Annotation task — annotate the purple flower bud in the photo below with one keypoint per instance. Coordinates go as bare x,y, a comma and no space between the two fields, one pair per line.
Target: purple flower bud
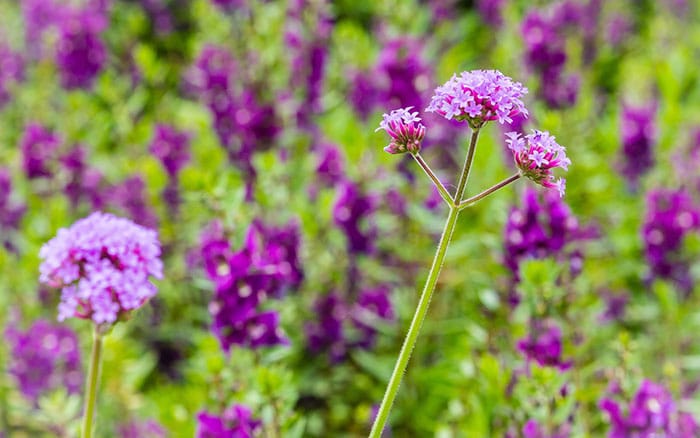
479,96
403,127
102,264
536,155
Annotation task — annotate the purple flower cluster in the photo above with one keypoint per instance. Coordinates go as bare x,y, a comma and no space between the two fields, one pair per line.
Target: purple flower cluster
39,148
544,345
341,327
44,358
11,213
11,71
405,130
536,155
651,413
671,215
243,124
266,266
172,148
545,51
236,422
102,263
542,229
351,213
479,96
80,53
638,133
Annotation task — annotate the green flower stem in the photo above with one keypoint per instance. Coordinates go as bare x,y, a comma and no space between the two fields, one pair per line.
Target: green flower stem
470,201
428,171
412,335
91,383
467,167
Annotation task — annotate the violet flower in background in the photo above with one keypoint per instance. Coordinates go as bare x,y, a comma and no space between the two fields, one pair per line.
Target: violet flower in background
533,429
352,214
130,197
330,168
172,148
651,412
265,267
236,422
103,265
638,132
342,326
142,429
11,213
84,183
491,12
671,215
542,227
39,147
38,16
80,52
544,345
11,71
45,357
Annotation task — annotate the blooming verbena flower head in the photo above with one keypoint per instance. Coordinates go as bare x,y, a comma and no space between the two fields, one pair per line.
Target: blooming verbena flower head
536,155
479,96
103,265
236,422
44,358
651,413
405,130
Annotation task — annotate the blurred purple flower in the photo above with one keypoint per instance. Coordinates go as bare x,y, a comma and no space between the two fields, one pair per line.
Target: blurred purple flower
327,333
142,429
171,147
351,213
544,345
363,92
102,263
649,414
44,358
11,71
329,169
266,266
638,132
38,16
80,53
372,305
533,429
236,422
11,213
130,196
541,229
671,215
491,12
38,146
84,183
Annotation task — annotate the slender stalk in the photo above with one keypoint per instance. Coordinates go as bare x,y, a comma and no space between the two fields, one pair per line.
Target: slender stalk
428,171
467,167
412,335
470,201
91,383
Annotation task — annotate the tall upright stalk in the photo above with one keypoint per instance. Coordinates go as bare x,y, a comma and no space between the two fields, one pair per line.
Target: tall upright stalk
91,383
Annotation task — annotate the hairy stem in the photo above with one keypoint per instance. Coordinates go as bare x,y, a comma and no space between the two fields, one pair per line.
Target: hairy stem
91,383
467,167
470,201
428,171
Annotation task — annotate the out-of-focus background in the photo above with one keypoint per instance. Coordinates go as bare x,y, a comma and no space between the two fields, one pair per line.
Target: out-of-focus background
240,127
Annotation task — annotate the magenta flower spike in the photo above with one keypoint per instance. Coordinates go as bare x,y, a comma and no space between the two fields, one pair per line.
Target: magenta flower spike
479,96
102,263
405,130
536,155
